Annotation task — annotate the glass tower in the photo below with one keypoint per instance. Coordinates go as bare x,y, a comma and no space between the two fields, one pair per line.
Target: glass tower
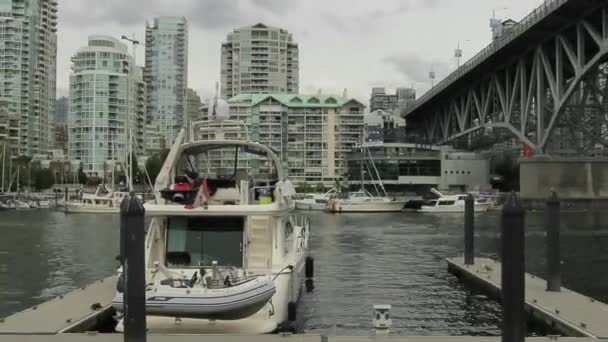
28,58
166,76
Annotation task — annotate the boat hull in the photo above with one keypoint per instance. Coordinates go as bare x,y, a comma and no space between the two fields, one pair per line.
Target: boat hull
83,209
237,302
310,205
346,207
453,209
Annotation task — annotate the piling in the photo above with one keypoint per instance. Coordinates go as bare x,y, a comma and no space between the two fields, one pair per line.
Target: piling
469,230
552,226
132,239
513,271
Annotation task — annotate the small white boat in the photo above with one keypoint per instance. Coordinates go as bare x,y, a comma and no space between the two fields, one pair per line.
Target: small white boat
315,201
33,204
237,301
452,204
103,201
43,204
363,201
21,205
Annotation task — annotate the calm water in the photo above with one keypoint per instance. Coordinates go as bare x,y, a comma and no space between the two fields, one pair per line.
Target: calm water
360,260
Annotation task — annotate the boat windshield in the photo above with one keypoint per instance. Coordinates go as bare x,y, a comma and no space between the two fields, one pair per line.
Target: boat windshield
198,241
229,162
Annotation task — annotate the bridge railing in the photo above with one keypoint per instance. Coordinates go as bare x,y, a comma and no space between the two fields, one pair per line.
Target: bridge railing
530,20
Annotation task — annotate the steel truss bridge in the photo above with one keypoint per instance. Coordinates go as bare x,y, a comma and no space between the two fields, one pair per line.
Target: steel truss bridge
544,83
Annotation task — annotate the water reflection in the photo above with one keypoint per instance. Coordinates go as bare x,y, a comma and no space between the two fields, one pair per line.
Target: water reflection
360,260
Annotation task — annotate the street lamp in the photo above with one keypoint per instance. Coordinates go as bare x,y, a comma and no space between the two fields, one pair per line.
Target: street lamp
458,51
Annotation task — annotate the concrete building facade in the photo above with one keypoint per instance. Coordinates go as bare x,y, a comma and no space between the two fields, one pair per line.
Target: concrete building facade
405,167
9,133
166,74
312,134
381,100
107,100
28,51
259,59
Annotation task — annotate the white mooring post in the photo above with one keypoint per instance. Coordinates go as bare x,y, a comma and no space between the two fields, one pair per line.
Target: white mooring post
382,320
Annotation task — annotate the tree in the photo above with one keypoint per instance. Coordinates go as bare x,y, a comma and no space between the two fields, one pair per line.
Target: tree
82,177
42,178
304,188
320,187
155,163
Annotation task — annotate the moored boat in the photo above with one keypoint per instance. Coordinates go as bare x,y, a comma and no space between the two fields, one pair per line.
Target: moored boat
224,251
315,201
452,204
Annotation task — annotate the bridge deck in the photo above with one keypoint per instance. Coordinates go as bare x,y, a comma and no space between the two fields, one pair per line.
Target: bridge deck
516,38
569,312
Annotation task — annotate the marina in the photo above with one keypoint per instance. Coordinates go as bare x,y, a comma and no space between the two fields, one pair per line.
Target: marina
404,253
472,213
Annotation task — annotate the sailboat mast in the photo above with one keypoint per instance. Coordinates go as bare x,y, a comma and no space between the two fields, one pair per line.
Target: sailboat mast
362,161
3,164
130,165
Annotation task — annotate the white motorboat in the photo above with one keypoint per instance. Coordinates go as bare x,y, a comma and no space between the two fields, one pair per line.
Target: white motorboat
43,204
363,201
103,201
452,204
225,253
315,201
33,204
21,205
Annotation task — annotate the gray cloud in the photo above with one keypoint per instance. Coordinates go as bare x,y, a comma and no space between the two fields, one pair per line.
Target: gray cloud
211,15
416,69
277,7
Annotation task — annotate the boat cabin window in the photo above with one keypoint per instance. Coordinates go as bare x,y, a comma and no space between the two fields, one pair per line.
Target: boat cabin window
198,241
462,198
446,202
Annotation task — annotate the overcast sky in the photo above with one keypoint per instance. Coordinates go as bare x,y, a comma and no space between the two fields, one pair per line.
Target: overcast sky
352,44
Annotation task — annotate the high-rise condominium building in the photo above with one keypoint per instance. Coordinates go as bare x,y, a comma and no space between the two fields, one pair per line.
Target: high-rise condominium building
107,100
194,105
402,98
311,133
259,59
28,51
166,75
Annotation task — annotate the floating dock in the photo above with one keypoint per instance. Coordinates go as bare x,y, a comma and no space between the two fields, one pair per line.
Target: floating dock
271,338
74,316
569,312
78,310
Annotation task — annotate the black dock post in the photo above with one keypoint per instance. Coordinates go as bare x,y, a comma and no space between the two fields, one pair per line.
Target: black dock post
552,226
512,273
132,241
469,230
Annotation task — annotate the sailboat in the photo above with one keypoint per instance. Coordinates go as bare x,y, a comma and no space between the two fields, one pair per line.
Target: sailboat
363,200
224,251
105,200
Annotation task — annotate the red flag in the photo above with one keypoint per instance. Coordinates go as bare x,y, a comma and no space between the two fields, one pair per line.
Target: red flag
527,151
201,196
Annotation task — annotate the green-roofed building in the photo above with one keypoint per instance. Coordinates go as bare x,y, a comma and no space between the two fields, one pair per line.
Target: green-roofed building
311,133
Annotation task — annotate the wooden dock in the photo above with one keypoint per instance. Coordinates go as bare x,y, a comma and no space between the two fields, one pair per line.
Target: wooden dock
269,338
569,312
77,309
